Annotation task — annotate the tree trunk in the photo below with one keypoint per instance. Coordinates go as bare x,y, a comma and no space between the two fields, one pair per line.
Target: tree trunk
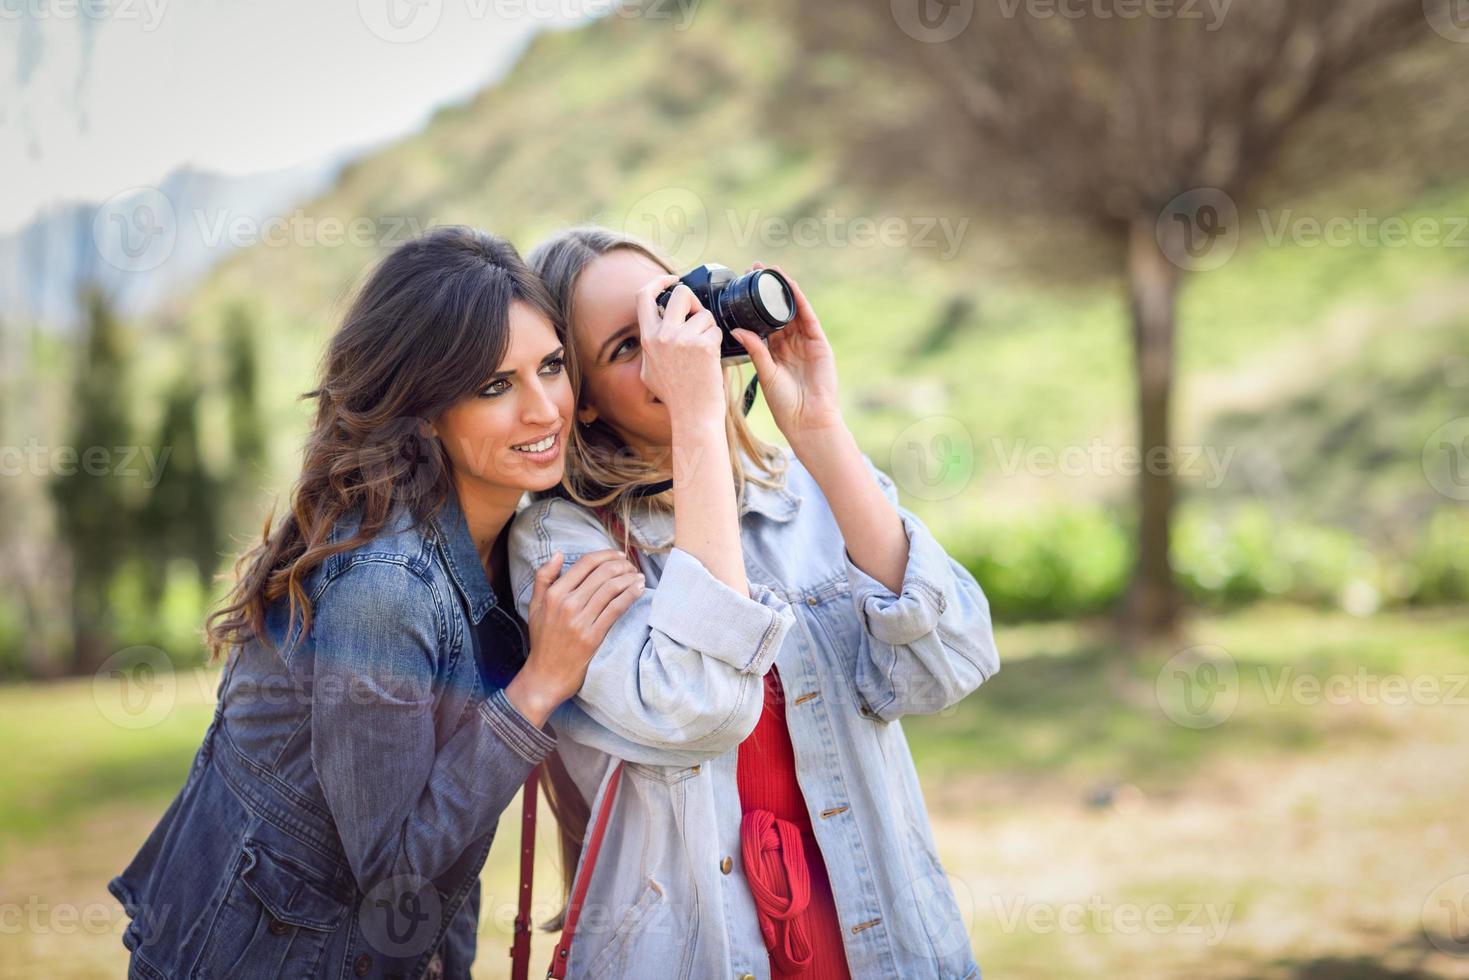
1151,606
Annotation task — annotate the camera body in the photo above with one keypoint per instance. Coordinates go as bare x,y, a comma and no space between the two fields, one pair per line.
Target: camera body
759,301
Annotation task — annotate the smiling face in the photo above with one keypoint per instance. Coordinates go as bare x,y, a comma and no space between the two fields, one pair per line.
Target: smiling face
610,355
509,438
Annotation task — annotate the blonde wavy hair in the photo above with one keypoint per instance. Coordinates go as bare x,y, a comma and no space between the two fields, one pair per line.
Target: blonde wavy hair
601,470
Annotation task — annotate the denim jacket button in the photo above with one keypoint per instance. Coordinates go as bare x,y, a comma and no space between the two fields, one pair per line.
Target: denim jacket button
362,965
727,865
277,927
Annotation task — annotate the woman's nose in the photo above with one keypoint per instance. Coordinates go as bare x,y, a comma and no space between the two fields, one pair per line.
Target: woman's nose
541,408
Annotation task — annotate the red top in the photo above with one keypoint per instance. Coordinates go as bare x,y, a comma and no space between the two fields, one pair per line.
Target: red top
782,860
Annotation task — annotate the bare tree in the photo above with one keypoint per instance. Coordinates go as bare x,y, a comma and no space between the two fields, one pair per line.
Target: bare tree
1127,127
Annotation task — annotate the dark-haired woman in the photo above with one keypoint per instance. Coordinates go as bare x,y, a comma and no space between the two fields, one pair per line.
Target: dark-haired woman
380,703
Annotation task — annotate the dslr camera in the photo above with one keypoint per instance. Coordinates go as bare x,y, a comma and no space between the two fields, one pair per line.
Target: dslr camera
759,301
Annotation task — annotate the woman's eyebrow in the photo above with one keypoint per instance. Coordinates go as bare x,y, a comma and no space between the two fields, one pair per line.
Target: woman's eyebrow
621,332
498,375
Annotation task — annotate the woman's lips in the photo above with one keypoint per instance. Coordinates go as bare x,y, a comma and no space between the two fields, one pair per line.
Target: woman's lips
544,456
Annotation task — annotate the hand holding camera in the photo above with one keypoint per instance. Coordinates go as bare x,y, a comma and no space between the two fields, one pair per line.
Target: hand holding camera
680,363
797,370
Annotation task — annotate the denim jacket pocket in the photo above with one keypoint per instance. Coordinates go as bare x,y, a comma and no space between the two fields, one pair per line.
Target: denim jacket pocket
612,960
274,921
664,774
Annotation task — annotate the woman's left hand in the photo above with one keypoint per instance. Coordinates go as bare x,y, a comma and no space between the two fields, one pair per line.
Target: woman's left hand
797,370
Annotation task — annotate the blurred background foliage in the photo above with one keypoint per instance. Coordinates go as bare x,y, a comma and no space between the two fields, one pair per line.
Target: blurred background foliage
1319,532
1315,372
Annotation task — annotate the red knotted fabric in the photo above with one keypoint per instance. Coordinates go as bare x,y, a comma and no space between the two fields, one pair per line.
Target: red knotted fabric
782,860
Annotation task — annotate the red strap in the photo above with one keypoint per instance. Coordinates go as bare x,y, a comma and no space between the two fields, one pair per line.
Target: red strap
584,877
520,943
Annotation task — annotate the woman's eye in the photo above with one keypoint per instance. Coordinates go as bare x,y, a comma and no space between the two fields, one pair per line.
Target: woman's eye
554,366
493,389
625,345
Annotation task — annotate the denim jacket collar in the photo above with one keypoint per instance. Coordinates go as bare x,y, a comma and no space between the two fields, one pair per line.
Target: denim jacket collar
655,528
463,559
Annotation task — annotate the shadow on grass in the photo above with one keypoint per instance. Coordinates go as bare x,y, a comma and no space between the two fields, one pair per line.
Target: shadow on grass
1404,961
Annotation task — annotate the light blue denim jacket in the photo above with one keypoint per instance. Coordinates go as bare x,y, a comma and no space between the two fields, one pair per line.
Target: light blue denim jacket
677,685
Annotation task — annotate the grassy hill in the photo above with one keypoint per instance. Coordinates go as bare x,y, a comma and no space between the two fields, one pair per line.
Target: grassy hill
1314,367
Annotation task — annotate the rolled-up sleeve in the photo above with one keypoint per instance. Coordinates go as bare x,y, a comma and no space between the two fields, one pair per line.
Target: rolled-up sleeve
679,677
696,610
930,644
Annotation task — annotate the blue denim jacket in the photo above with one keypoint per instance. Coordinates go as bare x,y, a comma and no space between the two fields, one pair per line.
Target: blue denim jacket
677,684
338,813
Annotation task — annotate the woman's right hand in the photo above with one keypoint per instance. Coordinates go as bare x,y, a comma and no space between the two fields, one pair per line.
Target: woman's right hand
681,353
569,616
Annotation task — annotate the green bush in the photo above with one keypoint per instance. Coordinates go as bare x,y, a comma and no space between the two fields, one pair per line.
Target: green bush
1076,561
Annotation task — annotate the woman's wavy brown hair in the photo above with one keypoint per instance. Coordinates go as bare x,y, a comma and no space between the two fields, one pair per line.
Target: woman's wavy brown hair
426,329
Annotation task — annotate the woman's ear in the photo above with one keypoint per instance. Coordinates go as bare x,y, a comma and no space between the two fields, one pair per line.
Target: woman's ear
586,415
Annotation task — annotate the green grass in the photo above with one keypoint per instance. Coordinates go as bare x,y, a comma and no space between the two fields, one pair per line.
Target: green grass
1061,786
1067,703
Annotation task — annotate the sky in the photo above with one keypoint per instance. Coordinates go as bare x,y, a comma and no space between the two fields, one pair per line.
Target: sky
101,96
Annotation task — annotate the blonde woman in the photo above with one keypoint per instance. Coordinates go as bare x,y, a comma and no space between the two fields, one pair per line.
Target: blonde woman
767,819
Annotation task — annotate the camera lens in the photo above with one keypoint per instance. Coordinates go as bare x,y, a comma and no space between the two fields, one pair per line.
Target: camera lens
759,301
